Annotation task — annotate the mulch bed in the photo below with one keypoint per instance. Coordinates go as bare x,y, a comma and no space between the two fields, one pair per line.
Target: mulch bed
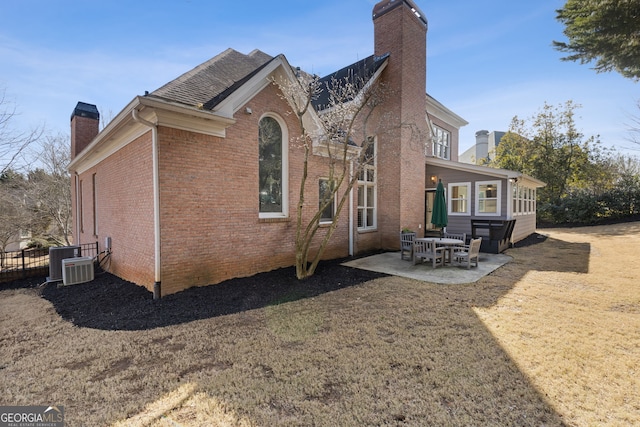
532,239
111,303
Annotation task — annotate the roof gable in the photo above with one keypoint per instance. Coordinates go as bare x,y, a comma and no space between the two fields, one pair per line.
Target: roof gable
359,72
437,109
212,81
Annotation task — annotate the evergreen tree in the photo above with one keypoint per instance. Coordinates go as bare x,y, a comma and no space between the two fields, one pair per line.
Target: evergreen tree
604,31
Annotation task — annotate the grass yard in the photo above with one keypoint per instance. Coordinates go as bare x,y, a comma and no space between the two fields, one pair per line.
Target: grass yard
552,338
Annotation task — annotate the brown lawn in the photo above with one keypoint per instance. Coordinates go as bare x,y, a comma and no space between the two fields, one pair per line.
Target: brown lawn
552,338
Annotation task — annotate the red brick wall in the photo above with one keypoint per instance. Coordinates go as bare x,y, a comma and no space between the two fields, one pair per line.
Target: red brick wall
401,144
211,229
124,202
210,225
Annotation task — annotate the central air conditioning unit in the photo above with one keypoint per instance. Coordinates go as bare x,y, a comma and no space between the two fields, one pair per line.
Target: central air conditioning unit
56,255
77,270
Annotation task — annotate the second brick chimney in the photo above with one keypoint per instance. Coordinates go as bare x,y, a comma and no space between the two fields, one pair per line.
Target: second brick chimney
85,121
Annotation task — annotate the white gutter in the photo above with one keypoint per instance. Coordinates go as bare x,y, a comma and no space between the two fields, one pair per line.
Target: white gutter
118,129
156,201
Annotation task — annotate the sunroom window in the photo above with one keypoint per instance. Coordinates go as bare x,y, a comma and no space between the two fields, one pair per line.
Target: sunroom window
488,198
459,198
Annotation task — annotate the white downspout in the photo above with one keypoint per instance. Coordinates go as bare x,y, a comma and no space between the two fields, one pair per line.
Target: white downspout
76,179
351,211
156,202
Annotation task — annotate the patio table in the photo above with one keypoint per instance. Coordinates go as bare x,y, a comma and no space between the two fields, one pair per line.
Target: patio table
448,243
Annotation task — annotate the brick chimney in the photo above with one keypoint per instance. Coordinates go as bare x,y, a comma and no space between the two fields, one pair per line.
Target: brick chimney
85,121
400,29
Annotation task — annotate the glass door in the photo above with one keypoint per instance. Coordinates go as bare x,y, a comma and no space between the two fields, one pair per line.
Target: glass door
428,209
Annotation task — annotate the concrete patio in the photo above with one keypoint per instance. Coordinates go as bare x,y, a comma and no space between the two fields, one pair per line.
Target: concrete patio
390,263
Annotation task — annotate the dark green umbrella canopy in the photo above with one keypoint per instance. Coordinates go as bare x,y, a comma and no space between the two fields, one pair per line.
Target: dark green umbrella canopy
439,216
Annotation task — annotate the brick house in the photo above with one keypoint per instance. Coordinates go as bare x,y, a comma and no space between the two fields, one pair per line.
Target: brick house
173,184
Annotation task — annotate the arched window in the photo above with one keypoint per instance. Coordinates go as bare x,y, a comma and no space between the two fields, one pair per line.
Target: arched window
272,168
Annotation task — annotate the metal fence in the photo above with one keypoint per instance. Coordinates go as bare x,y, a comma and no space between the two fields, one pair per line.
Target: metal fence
33,262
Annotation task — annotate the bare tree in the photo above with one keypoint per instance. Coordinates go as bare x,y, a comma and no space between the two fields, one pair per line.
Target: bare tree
14,218
12,143
634,128
338,135
105,118
50,191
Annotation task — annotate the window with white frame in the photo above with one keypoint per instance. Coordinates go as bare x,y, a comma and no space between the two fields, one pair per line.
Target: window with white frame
524,200
441,143
488,198
459,198
327,204
367,190
273,186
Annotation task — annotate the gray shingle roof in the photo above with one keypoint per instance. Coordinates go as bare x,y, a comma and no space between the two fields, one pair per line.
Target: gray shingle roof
359,73
212,81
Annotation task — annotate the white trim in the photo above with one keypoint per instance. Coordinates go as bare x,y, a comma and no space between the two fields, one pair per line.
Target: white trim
176,120
367,184
526,200
277,68
438,110
285,169
435,142
450,198
484,170
509,194
242,95
123,130
498,198
94,157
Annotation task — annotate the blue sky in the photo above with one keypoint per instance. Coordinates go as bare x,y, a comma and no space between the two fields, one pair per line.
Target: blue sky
488,60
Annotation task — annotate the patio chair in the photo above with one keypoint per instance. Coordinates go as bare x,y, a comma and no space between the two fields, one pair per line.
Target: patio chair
458,236
468,253
406,245
427,251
